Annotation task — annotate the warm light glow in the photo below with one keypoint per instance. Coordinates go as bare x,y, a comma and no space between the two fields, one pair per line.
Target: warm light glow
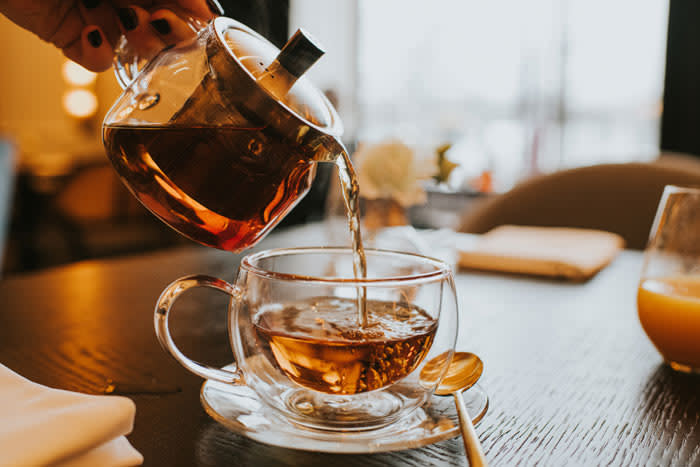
76,75
80,103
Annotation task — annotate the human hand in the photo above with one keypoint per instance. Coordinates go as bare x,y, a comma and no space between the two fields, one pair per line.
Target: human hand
87,30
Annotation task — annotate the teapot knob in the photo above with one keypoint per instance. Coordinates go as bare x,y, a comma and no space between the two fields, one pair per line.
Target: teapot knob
298,54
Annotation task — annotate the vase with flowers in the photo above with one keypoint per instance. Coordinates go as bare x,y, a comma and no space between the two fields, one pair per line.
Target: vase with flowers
392,177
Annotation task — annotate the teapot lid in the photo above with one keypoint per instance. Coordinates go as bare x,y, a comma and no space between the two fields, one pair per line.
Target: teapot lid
239,54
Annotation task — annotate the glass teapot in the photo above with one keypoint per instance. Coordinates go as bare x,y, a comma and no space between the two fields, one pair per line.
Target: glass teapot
210,138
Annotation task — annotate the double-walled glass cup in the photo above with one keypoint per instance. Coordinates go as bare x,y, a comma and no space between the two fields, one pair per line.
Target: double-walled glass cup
668,298
294,330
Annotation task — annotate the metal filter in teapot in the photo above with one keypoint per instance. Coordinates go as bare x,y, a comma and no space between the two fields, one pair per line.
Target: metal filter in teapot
219,135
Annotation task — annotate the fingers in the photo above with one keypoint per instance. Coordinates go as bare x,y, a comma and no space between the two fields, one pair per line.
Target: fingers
101,22
68,30
204,9
102,14
92,51
170,27
140,35
148,33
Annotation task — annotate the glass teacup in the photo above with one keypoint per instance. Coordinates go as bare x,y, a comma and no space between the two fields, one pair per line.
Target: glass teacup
294,330
668,299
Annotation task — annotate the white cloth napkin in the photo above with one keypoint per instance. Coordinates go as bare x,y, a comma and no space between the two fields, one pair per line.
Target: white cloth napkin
42,426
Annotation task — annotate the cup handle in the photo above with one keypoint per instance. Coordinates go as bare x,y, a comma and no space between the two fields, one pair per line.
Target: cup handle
160,322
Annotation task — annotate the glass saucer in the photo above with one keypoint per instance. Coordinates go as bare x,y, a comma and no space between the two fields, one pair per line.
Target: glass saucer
240,410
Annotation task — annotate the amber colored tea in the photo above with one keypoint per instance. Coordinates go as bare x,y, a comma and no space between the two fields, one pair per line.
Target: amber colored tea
318,344
351,195
225,187
221,186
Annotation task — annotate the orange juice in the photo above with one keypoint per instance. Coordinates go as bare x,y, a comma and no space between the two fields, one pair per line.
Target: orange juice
669,310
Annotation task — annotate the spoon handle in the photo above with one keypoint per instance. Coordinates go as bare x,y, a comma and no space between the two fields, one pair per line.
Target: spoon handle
472,446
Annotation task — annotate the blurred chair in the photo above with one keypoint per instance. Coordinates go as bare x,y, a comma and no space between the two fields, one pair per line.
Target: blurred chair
7,176
82,214
103,218
620,198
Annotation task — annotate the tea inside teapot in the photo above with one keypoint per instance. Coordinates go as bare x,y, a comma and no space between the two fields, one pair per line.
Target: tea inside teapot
210,138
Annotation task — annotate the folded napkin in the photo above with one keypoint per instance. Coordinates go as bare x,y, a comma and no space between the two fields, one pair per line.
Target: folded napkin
44,426
576,254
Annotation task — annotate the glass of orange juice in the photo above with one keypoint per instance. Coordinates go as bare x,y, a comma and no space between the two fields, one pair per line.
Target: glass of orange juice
668,298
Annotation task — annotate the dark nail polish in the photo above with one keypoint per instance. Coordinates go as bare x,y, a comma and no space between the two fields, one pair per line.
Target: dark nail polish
95,38
128,18
215,7
162,26
90,4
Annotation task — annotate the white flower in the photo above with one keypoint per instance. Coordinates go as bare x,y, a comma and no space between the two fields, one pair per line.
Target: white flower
393,170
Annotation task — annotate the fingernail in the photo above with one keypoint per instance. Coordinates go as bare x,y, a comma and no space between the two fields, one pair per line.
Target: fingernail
94,38
90,4
215,7
128,18
162,26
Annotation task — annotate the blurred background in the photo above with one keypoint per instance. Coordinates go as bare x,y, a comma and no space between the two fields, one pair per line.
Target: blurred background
516,88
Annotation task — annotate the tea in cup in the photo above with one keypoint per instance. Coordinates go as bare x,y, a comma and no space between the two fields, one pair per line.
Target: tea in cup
297,339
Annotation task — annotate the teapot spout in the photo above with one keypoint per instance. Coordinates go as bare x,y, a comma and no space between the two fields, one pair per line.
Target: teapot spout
330,149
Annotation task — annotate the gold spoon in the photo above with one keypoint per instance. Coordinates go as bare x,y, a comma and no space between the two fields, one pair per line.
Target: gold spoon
464,371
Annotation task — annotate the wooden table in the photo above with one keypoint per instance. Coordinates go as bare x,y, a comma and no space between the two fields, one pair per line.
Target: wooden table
571,377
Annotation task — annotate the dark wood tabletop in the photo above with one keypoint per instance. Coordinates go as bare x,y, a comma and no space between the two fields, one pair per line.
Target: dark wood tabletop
571,377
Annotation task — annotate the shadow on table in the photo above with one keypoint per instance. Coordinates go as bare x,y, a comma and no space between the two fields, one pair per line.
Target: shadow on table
219,446
666,386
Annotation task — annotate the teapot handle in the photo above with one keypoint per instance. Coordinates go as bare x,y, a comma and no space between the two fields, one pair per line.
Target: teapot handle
127,63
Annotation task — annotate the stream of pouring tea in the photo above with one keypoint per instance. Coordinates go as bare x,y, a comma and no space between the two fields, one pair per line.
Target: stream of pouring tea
351,195
193,178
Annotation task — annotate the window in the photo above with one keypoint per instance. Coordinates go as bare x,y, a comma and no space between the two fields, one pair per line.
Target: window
517,87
